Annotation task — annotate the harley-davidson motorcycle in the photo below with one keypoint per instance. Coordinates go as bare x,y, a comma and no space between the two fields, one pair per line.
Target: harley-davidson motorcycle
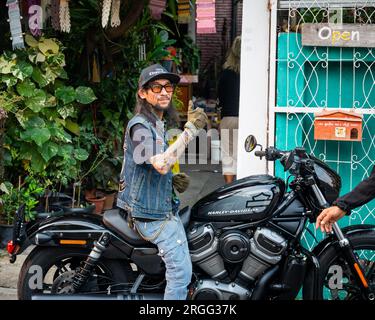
244,240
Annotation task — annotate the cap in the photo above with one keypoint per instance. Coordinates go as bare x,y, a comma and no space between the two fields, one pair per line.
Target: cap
156,71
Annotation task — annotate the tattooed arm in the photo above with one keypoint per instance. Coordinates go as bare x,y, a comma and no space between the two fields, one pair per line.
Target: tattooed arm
197,120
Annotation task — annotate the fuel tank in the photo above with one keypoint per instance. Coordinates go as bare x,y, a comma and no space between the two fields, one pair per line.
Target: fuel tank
249,199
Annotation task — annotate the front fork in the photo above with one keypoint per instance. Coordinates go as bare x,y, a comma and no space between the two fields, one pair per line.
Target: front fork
347,250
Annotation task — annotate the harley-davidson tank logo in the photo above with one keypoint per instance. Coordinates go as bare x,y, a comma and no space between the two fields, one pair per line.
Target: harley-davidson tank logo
262,196
235,212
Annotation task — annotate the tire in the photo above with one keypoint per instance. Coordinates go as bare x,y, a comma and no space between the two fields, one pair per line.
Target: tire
332,258
113,271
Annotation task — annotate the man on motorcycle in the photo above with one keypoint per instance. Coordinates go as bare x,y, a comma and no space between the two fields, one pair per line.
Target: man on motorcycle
363,193
145,190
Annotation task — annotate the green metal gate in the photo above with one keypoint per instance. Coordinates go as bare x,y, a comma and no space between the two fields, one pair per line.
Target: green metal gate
309,79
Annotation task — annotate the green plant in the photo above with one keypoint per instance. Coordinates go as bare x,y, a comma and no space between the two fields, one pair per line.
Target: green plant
178,103
42,111
190,55
106,174
159,44
27,193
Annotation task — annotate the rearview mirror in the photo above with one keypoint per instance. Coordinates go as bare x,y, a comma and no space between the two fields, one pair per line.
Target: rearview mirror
250,143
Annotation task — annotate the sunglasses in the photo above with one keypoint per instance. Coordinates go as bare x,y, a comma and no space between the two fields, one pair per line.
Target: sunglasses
157,88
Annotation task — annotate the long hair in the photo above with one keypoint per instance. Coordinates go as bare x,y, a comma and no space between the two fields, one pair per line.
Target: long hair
233,60
145,108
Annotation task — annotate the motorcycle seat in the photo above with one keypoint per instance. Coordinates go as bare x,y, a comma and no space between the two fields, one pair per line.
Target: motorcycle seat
115,221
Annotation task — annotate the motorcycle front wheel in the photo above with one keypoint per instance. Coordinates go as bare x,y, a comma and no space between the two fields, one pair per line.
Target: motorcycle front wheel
47,270
336,281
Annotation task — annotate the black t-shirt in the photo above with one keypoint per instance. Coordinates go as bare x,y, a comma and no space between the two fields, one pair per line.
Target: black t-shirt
229,93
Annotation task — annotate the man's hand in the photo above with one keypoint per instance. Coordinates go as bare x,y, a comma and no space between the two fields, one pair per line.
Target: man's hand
162,162
197,118
327,217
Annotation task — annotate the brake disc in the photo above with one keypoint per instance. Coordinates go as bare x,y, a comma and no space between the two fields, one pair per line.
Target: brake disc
63,284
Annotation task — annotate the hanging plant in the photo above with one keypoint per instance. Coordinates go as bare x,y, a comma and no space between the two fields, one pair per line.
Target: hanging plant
115,13
105,12
55,14
64,16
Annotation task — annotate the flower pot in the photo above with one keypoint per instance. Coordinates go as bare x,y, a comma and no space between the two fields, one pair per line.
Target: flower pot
99,203
109,200
90,193
6,234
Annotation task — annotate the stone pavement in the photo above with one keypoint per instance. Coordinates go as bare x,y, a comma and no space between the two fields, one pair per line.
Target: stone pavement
9,275
204,179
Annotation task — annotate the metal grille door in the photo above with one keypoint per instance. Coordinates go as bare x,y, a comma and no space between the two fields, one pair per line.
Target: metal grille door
309,79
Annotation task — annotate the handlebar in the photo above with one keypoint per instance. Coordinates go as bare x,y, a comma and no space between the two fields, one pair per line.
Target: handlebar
271,154
260,154
289,159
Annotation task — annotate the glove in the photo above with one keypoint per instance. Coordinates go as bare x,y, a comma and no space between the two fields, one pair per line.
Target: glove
197,119
180,182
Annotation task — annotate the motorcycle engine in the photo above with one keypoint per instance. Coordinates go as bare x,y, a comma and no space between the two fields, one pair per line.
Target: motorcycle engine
266,248
210,253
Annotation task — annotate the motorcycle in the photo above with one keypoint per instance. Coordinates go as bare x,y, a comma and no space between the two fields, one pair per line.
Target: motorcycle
244,240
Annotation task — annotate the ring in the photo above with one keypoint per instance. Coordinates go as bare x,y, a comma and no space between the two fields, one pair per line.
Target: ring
322,222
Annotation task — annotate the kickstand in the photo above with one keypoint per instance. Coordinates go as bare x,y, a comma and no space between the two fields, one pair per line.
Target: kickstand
137,282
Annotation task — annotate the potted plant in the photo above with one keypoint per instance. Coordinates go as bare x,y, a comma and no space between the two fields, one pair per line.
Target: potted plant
190,56
42,111
106,180
103,166
27,193
8,207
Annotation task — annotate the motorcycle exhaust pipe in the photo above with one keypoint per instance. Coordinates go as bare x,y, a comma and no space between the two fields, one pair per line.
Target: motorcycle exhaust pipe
136,297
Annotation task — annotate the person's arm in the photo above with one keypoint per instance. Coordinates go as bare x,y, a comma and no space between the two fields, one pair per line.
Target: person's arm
360,195
220,89
197,120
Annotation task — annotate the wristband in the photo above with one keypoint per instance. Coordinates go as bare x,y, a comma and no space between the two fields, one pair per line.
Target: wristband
343,206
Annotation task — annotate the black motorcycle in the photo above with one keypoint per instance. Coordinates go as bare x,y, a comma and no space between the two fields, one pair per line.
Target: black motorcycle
244,240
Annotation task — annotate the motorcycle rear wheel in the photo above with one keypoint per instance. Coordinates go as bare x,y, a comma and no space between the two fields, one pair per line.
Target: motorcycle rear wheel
55,261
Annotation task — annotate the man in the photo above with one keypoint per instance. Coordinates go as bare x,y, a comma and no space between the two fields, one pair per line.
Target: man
363,193
146,178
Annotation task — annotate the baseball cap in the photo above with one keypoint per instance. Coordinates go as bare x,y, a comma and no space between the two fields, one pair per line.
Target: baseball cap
156,71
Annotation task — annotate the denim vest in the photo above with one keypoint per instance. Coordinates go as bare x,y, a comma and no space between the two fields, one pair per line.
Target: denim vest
143,191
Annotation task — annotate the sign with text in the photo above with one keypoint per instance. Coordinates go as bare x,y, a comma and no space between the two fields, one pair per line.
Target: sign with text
338,35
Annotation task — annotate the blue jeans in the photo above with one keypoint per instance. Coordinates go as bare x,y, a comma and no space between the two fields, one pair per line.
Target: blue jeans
174,251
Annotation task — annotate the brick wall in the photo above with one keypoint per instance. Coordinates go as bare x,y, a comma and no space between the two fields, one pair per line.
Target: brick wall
214,46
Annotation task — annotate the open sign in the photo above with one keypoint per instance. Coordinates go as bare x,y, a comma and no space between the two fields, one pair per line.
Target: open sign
334,36
338,35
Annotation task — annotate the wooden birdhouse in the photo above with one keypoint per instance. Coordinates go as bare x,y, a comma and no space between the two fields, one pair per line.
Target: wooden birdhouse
338,125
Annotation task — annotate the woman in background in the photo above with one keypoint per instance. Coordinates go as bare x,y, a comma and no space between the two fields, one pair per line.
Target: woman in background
229,96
